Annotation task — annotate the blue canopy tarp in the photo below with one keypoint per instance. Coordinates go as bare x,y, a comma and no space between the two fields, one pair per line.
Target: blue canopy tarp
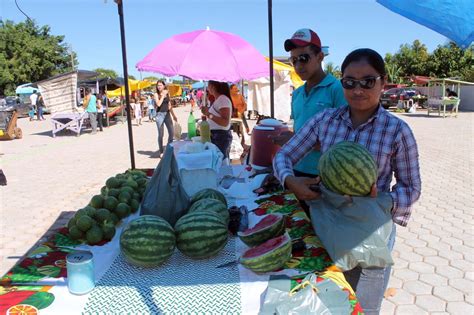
451,18
26,89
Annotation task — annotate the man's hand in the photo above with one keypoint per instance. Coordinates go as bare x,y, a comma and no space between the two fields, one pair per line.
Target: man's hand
300,186
282,138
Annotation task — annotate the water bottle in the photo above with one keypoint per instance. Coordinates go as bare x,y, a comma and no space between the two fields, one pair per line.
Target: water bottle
191,126
205,130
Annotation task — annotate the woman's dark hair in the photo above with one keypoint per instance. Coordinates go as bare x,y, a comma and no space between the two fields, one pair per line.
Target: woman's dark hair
156,87
221,88
371,56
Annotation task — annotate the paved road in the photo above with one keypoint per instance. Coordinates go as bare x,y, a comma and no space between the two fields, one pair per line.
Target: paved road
49,179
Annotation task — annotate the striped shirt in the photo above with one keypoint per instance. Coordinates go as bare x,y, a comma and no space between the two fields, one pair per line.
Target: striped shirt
389,140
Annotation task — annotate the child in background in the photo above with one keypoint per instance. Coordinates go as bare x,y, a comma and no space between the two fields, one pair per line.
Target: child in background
137,111
151,108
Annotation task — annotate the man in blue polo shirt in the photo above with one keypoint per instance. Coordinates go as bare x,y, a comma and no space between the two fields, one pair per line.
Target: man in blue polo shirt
319,92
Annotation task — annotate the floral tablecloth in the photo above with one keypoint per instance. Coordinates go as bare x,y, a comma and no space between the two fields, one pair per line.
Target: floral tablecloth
46,265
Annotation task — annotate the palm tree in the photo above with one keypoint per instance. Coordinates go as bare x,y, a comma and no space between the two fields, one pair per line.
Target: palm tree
393,73
330,68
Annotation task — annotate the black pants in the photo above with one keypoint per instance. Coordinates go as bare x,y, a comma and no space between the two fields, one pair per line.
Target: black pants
100,117
303,203
222,139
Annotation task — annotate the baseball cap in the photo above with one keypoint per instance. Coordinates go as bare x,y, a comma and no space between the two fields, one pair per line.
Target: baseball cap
301,38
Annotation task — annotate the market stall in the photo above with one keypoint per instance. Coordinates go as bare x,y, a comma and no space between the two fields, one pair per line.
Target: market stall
214,285
442,101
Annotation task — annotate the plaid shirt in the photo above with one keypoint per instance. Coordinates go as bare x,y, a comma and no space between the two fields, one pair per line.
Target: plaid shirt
388,138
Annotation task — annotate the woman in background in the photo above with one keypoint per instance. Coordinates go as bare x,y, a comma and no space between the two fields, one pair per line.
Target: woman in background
218,116
164,111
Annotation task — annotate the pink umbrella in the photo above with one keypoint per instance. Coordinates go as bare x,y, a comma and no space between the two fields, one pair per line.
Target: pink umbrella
206,55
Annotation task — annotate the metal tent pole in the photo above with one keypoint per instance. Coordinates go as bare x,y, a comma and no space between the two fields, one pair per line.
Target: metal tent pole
270,40
125,73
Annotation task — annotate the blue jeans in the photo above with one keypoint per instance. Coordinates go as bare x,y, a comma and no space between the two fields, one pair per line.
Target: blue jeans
223,140
39,113
370,283
151,113
164,119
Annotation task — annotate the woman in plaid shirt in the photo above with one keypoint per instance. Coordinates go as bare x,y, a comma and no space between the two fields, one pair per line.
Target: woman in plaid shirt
388,138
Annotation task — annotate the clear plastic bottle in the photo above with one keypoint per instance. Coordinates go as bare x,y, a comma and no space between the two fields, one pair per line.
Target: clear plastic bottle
191,126
205,130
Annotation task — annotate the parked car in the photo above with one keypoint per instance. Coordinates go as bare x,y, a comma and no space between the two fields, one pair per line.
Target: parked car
13,103
392,96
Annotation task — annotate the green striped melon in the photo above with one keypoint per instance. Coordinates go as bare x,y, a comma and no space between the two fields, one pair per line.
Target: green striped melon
270,226
201,234
210,204
348,168
147,241
209,193
269,256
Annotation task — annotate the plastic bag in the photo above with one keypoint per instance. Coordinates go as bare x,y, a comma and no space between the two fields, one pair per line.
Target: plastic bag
309,297
164,195
177,131
354,233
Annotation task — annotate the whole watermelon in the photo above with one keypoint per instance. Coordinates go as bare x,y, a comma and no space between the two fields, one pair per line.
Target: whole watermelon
348,168
269,256
270,226
209,193
147,241
211,205
200,234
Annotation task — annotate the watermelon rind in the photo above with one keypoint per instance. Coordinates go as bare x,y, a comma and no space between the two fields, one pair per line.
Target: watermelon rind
348,168
263,234
210,204
209,193
147,241
201,234
270,260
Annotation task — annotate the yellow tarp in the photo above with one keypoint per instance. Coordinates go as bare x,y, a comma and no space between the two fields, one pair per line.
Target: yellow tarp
280,66
175,90
133,85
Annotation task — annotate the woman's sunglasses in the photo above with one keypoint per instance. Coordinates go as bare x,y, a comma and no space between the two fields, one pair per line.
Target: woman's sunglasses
366,83
303,58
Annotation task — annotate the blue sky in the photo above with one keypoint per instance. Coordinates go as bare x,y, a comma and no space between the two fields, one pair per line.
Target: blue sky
92,26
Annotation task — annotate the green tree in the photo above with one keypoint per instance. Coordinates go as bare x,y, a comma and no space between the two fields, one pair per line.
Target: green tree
29,53
106,73
131,77
330,68
412,59
450,61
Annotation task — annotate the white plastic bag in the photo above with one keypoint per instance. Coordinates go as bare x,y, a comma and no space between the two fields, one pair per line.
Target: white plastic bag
177,131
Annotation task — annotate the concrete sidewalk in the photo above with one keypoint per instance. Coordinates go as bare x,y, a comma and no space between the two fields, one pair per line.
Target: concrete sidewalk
50,178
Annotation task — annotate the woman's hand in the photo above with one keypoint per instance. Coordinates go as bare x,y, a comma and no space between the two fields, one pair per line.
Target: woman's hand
300,186
205,110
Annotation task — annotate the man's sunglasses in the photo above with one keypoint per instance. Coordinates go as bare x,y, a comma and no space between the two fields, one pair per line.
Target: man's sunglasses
303,58
366,83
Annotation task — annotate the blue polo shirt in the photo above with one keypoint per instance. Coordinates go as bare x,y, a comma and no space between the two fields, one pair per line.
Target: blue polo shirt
327,94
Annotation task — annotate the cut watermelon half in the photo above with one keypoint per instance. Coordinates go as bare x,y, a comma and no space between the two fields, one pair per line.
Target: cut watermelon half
269,227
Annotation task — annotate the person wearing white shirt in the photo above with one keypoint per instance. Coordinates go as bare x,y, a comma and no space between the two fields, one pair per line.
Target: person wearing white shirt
218,115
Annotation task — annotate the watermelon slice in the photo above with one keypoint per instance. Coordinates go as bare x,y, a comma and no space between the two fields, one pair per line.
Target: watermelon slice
269,256
270,226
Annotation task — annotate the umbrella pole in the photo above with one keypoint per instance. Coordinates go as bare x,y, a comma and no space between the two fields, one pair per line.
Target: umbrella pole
125,73
270,42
